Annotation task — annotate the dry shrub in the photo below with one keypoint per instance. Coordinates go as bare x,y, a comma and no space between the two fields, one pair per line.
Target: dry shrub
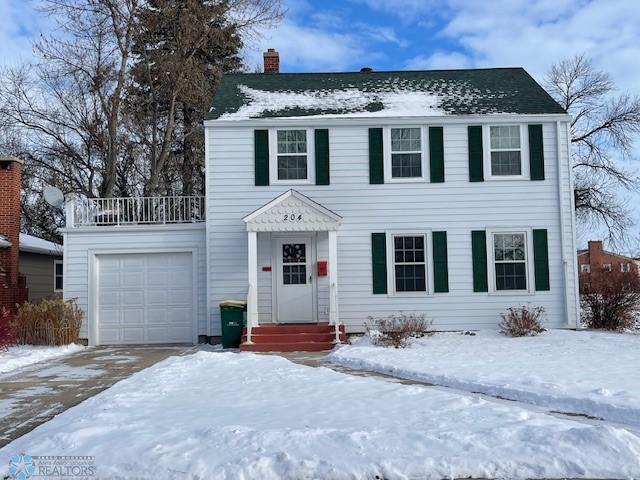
522,322
397,330
48,322
610,300
7,330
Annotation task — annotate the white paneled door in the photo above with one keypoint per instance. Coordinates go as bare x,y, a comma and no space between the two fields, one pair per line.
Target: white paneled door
145,298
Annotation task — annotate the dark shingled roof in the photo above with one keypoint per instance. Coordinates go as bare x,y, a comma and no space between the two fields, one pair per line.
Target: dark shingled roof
459,92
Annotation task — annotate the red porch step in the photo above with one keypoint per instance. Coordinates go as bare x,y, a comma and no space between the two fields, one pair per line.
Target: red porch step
292,338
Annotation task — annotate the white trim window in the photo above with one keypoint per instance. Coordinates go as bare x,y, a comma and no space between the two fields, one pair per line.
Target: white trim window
506,152
58,275
405,154
409,263
585,268
510,261
607,267
291,155
625,267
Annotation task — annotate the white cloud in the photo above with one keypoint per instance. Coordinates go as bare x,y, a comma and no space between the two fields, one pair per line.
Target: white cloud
20,25
439,61
308,48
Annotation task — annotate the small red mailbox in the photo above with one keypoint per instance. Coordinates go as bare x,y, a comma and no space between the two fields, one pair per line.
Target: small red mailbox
322,268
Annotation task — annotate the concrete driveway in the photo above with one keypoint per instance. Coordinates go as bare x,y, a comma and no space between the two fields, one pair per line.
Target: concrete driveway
37,393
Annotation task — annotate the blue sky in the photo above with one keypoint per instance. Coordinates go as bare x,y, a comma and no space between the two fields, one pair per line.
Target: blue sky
333,35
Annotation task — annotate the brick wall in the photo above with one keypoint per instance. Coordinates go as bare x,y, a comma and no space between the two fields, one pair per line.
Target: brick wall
10,182
597,258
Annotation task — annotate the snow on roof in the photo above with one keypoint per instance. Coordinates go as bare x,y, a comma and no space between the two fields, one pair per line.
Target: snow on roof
242,96
4,243
29,243
352,102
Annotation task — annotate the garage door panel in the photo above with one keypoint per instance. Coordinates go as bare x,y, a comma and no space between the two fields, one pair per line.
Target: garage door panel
156,297
109,298
132,279
110,278
145,298
109,317
180,296
132,298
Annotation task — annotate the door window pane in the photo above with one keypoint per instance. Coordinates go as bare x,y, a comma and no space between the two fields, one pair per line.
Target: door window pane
294,268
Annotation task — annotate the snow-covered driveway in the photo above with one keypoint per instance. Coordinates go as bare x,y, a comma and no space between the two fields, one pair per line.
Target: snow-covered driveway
227,415
23,355
593,373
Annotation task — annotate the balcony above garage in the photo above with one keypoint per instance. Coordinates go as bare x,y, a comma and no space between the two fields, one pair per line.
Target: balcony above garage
132,211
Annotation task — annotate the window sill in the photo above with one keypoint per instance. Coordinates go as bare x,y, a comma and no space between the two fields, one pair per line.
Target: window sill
504,178
406,180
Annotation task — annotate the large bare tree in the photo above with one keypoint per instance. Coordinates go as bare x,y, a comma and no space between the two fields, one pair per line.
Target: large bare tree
68,103
604,127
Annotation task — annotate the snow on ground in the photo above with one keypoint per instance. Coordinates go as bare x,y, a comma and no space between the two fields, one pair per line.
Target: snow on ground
228,415
24,355
593,373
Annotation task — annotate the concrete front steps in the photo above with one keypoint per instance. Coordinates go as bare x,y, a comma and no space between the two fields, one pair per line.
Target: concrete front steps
292,337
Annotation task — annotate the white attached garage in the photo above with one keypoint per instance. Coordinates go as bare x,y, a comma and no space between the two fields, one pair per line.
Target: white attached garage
138,285
145,298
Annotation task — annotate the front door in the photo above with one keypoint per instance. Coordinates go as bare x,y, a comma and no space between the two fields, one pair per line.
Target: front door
294,280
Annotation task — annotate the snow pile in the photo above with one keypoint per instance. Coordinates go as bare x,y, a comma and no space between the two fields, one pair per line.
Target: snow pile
225,415
593,373
395,102
23,355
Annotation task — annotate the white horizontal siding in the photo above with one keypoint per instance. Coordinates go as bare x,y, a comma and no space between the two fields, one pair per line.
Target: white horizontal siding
456,206
80,243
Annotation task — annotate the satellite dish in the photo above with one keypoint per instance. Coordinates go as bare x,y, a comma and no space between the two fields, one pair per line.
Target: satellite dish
53,196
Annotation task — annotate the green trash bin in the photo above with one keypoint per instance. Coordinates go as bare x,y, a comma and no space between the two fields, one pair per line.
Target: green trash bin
232,317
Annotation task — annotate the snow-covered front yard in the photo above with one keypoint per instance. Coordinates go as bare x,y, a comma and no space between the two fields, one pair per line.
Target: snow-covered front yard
24,355
593,373
227,415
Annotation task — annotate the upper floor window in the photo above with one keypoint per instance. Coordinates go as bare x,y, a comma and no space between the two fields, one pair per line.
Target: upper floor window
585,268
406,153
510,261
505,150
292,155
57,275
606,267
625,267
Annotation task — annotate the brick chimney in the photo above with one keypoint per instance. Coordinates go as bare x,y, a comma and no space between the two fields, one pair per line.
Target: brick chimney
596,253
10,184
271,61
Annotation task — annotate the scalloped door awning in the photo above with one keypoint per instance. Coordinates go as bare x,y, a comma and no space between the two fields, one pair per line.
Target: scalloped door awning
292,212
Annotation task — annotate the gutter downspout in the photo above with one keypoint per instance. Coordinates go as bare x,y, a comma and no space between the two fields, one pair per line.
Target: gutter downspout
566,265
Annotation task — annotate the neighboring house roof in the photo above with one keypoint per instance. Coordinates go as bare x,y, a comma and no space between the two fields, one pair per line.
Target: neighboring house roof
4,243
633,259
241,96
29,243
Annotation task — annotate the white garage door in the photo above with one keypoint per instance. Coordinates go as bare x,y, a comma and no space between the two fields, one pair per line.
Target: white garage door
145,298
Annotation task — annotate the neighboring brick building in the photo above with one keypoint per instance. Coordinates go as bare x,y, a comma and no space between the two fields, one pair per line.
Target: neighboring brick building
12,284
596,257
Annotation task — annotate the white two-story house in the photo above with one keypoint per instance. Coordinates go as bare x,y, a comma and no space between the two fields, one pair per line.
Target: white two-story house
335,197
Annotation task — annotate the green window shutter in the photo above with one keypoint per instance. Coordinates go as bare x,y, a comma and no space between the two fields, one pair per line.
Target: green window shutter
376,168
436,154
536,152
479,254
476,171
541,259
261,154
379,258
322,156
440,264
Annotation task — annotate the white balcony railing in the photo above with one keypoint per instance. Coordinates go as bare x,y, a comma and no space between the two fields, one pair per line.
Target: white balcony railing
83,212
